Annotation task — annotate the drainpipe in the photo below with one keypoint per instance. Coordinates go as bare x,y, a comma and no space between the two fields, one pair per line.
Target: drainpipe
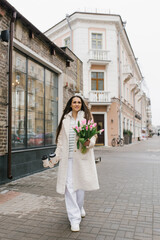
9,174
120,79
134,115
67,18
141,103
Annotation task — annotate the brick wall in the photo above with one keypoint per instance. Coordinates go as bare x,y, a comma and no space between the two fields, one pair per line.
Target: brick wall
4,25
72,75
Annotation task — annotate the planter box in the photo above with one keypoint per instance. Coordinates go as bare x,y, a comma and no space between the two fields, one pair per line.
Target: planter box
126,139
130,138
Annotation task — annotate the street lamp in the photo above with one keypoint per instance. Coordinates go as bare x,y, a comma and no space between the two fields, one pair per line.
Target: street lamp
120,80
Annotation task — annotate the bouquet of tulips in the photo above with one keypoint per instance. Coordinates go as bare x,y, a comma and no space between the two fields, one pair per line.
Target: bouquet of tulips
84,132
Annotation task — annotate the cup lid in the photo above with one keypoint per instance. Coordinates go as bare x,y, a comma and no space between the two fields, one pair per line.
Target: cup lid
44,157
52,154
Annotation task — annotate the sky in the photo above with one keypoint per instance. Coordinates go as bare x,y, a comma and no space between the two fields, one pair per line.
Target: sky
142,28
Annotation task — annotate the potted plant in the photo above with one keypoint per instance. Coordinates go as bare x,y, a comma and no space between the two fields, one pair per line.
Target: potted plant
126,136
130,136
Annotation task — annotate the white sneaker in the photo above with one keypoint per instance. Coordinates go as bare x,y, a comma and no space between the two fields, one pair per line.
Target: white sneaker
75,228
83,213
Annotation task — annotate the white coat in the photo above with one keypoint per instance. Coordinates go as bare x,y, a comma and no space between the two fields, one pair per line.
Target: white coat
84,168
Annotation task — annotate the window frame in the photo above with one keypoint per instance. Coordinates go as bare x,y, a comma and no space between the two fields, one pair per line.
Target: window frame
26,147
97,31
97,79
97,40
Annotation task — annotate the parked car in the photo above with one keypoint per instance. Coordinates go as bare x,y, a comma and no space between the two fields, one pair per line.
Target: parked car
29,135
49,138
38,140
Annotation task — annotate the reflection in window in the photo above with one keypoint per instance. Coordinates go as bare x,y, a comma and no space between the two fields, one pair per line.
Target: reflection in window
34,121
18,101
51,106
35,104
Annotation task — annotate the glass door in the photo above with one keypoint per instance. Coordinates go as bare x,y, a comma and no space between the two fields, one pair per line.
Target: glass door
99,119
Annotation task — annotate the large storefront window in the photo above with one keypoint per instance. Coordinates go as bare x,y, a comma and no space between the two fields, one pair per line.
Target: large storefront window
18,101
35,107
51,97
35,117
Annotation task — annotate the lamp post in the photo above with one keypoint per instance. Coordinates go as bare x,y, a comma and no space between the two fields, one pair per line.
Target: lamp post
120,80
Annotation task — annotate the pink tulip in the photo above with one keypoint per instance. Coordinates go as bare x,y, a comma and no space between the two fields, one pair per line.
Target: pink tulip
87,128
91,126
102,130
95,124
84,121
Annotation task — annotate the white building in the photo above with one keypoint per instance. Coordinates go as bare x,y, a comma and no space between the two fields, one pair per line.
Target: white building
111,75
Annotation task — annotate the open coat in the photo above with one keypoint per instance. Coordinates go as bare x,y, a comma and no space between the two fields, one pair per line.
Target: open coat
84,167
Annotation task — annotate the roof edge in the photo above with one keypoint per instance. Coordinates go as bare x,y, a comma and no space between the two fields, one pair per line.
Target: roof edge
11,9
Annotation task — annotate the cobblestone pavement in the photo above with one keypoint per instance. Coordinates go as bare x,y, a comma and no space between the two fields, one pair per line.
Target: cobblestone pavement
126,207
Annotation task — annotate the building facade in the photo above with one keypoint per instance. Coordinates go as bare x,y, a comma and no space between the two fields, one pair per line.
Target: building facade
36,79
111,75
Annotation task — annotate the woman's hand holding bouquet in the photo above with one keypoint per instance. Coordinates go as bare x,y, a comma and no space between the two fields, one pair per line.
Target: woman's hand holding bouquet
85,131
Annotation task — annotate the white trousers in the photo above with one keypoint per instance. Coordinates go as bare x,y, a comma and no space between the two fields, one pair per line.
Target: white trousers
74,199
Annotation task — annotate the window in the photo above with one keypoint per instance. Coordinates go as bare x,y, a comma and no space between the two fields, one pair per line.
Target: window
34,104
97,81
124,90
124,123
128,124
18,100
96,41
67,42
51,106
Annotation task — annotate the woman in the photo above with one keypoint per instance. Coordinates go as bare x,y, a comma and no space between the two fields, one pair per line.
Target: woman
77,171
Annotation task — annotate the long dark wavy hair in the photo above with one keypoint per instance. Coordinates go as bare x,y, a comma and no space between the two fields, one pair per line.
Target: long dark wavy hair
67,109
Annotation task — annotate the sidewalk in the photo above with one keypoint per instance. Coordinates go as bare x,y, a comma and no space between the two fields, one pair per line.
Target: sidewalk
126,207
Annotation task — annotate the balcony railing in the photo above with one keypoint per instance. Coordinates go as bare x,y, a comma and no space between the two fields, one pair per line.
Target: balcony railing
99,97
99,55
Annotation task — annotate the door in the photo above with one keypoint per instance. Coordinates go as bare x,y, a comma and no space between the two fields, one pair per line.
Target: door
99,119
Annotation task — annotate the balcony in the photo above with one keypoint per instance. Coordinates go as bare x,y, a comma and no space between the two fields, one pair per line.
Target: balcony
99,55
99,98
127,73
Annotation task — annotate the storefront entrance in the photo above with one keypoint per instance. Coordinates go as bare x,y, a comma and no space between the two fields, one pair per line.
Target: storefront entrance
99,119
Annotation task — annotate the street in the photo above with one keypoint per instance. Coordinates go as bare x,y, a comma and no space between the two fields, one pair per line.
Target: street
127,205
